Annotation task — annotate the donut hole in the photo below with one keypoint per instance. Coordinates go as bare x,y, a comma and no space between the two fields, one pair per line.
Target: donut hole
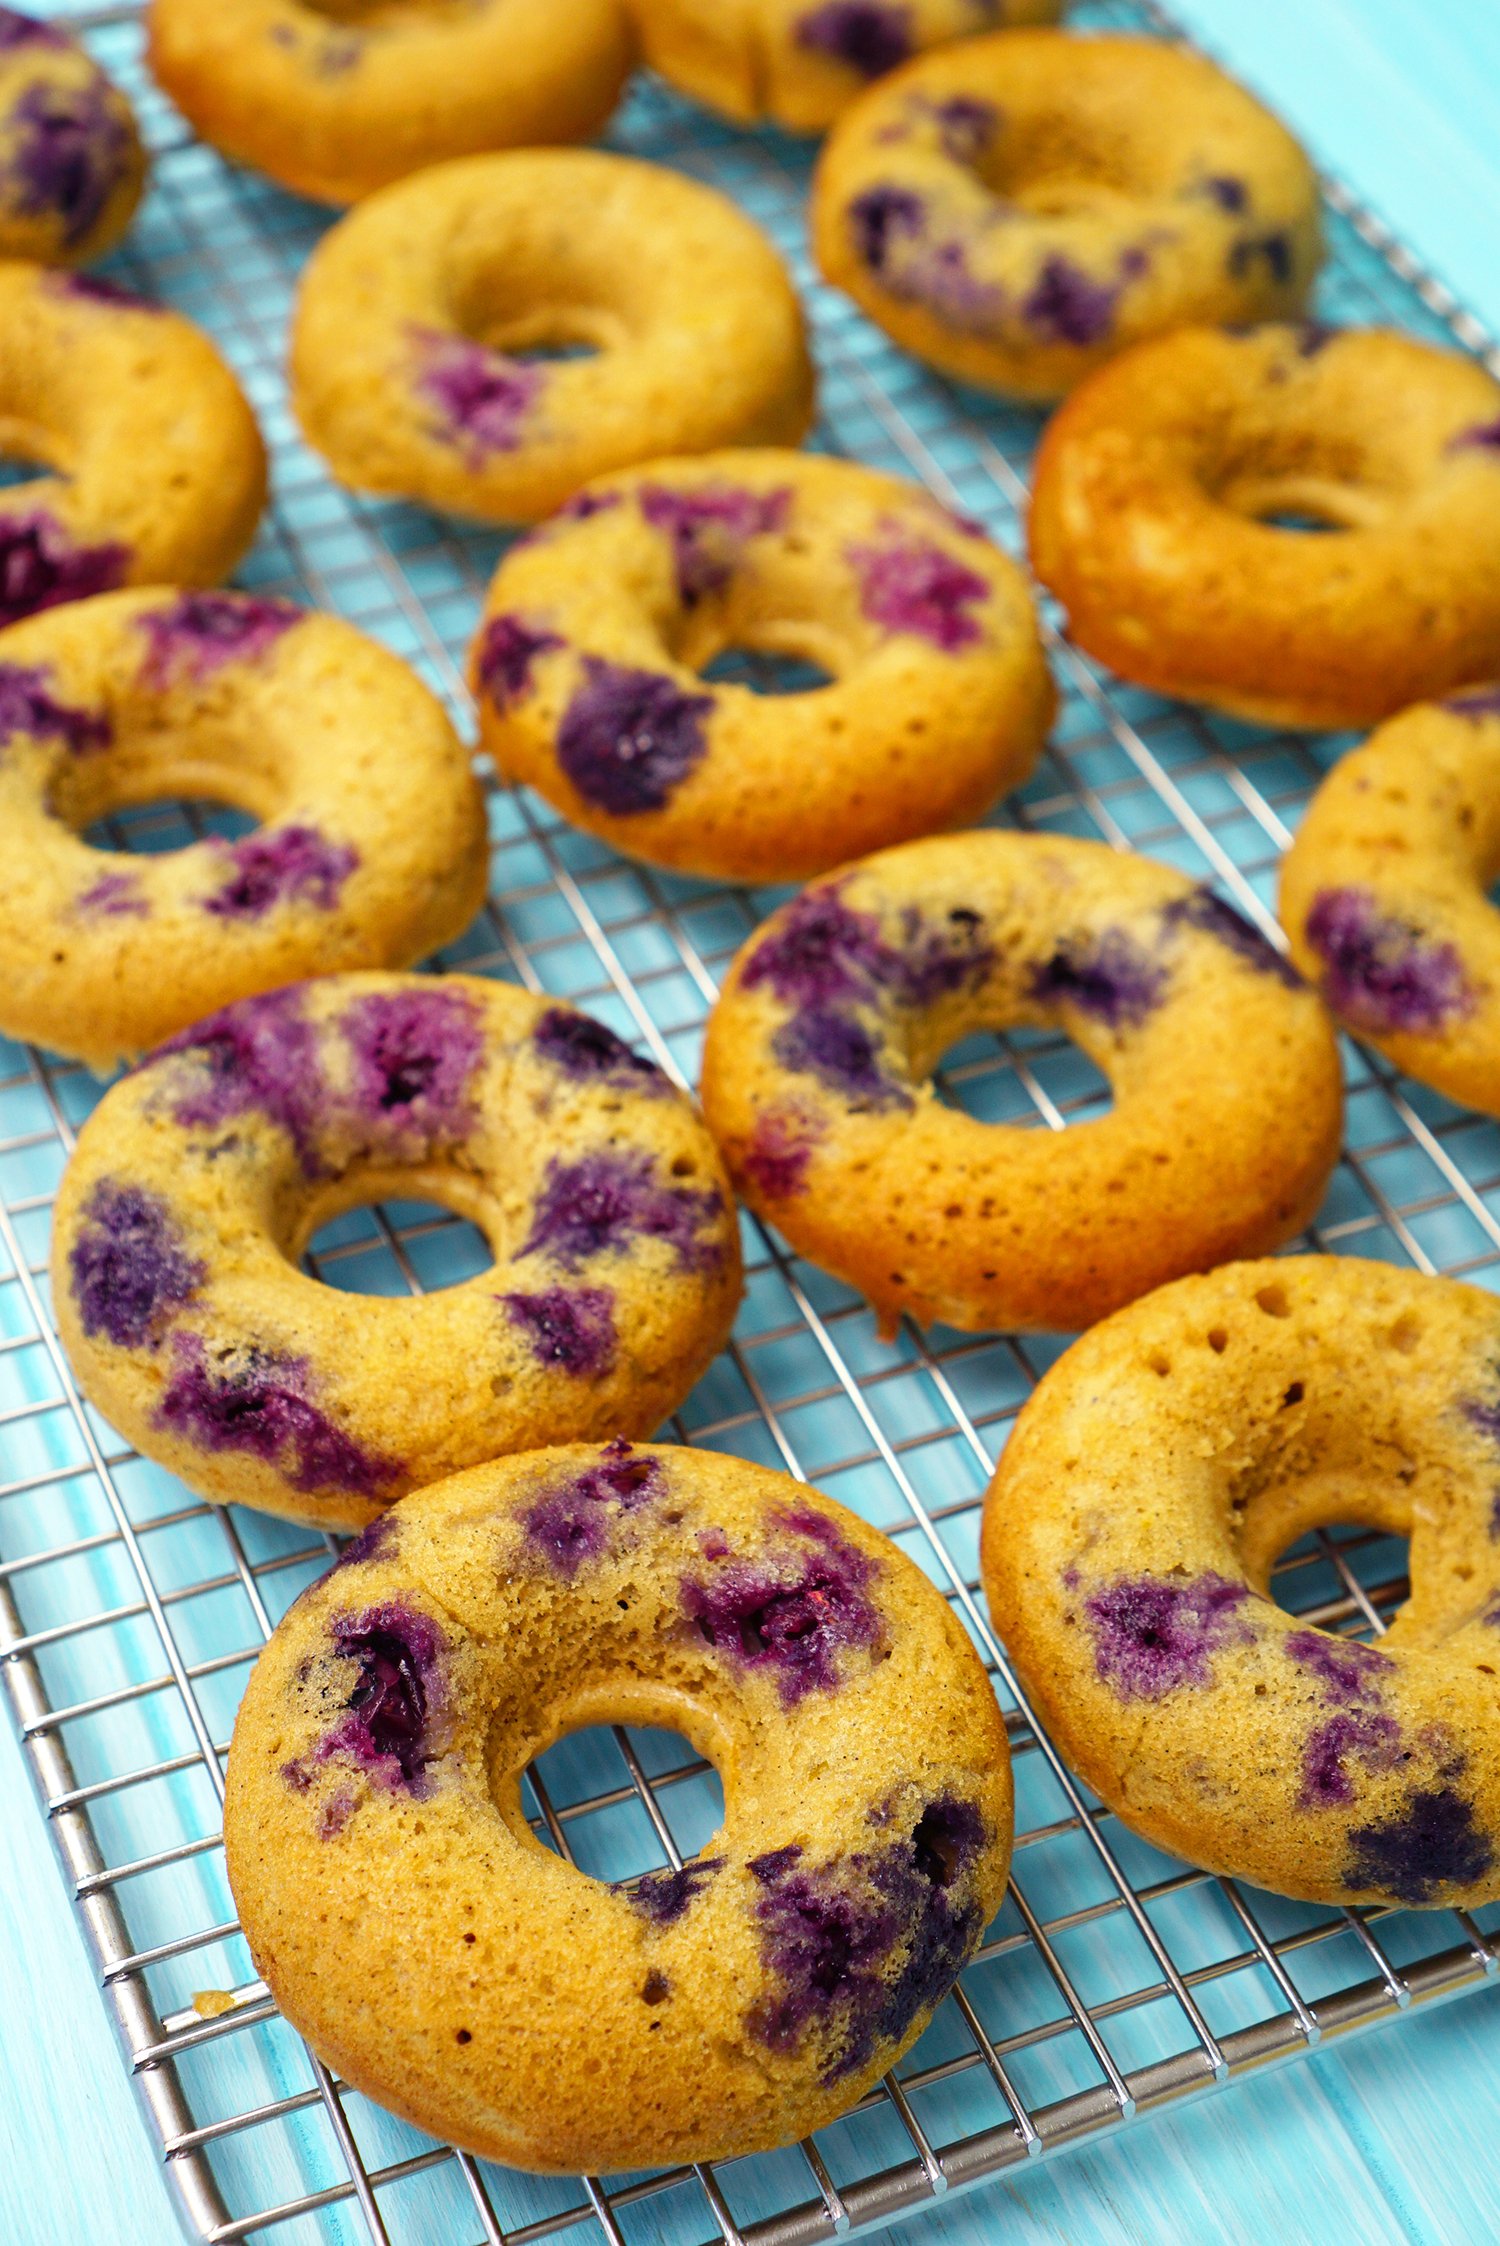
567,313
764,671
164,823
597,1780
1337,1574
1022,1077
373,1238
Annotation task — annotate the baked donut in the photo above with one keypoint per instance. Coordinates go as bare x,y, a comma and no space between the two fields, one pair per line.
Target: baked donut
1018,209
586,668
159,473
803,61
373,852
1159,519
1385,894
1225,1074
374,1815
198,1181
1150,1483
335,98
411,310
71,162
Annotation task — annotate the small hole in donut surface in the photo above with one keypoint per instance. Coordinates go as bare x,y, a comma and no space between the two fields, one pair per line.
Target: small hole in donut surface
1218,1340
1017,1076
396,1248
1313,1577
764,673
594,1793
149,830
1279,520
1272,1300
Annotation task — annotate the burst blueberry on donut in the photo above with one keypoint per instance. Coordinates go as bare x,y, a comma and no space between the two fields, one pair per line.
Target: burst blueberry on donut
1018,209
199,1179
1161,1468
72,168
372,851
816,1080
415,312
374,1810
586,668
336,102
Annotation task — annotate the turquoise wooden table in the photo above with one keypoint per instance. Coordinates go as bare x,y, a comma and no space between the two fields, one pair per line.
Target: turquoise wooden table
1385,2139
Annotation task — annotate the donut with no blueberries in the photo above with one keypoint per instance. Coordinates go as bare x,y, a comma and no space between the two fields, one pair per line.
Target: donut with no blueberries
1178,495
1385,894
159,470
72,168
816,1080
374,1813
373,849
1018,209
801,62
336,101
198,1181
408,354
1150,1483
936,698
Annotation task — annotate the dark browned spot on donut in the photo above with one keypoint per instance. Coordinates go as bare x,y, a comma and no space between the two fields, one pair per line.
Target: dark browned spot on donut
1294,1395
1160,1362
462,2035
656,1988
1272,1300
1218,1340
1406,1333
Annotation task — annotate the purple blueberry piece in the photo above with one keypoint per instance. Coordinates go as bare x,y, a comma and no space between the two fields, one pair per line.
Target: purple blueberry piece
911,586
385,1729
589,1051
1153,1636
70,151
377,1540
1346,1669
663,1897
872,36
628,739
1108,977
599,1203
281,866
709,529
1314,336
128,1265
841,1053
1475,702
936,962
1067,305
41,567
820,950
414,1055
258,1401
880,216
117,896
508,648
573,1521
202,632
1484,437
1201,909
775,1863
793,1619
28,707
1383,973
1433,1840
1274,249
94,288
1230,194
1374,1741
572,1329
775,1161
966,126
483,398
17,30
259,1057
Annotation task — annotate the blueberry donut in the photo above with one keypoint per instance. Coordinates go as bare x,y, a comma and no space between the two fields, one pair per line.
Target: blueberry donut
1150,1483
408,356
586,669
373,850
1176,498
199,1180
71,162
1017,209
337,100
1227,1103
158,471
1385,894
374,1813
801,62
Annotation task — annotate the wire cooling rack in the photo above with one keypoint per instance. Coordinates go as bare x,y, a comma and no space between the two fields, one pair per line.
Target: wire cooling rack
1115,1978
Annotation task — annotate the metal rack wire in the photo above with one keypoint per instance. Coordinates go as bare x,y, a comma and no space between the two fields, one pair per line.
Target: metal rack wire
1115,1979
